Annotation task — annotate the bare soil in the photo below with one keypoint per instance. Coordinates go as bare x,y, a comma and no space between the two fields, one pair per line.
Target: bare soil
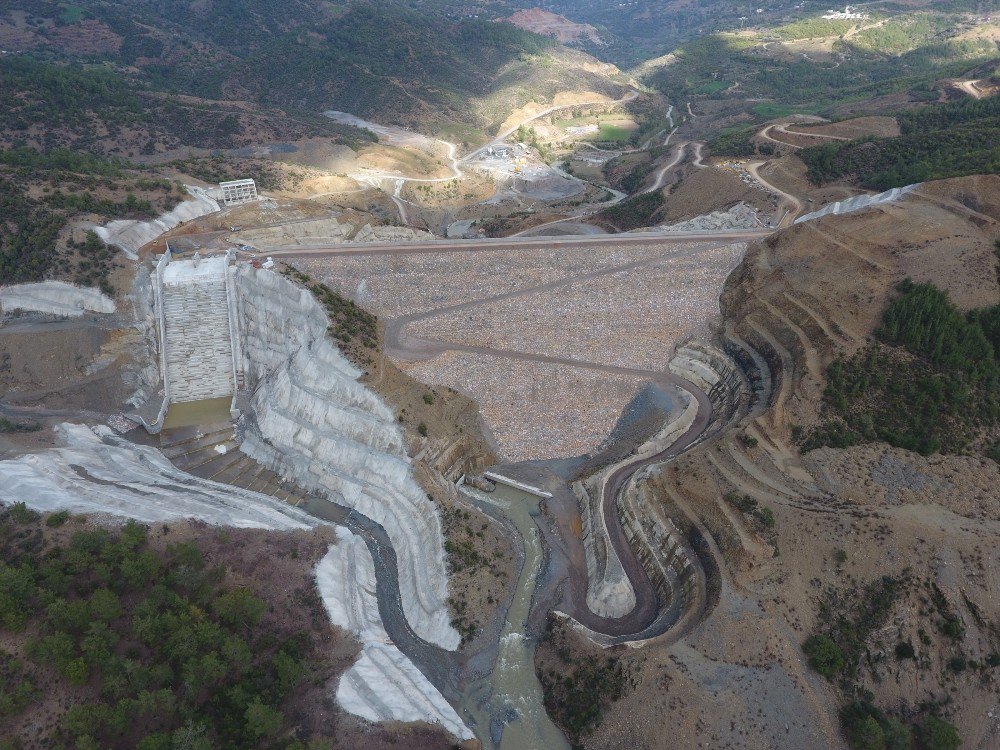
701,191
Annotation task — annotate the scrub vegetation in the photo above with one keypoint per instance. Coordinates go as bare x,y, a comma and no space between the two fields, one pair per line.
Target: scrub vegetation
846,649
41,193
931,383
632,213
354,328
578,688
151,646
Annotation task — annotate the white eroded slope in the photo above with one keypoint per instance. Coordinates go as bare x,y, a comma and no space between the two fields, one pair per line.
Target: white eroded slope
55,298
382,685
96,471
130,235
312,422
99,473
859,203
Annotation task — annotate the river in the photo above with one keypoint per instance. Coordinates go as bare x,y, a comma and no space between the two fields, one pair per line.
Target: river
509,701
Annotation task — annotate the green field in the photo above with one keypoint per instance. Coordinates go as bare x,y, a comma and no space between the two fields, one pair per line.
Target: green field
616,131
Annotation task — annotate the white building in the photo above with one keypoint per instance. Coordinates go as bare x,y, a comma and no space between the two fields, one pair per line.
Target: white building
846,15
235,192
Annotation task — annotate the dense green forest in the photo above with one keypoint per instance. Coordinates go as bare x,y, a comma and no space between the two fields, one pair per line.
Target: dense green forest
152,647
931,384
943,140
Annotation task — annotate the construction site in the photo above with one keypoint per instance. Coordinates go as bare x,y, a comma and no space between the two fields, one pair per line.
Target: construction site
518,453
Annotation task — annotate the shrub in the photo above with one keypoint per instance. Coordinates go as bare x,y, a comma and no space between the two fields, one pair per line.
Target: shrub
937,734
905,650
824,655
766,517
21,513
57,519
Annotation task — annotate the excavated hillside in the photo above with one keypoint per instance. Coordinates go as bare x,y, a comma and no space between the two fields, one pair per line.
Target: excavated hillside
896,550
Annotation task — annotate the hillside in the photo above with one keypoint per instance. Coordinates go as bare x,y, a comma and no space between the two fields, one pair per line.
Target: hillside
946,140
168,637
814,65
853,600
376,60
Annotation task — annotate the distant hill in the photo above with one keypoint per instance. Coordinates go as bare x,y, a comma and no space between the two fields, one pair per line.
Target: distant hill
813,65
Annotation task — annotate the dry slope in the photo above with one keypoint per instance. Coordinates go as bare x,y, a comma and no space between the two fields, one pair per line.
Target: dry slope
804,542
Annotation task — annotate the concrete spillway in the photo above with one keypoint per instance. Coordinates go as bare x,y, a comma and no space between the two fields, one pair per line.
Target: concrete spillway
197,343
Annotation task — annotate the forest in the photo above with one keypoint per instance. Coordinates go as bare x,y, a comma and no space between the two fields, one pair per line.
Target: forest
153,648
931,383
942,140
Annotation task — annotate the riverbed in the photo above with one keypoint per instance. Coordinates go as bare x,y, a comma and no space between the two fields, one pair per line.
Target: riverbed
509,701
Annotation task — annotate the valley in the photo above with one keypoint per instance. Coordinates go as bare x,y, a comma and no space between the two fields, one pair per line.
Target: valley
529,401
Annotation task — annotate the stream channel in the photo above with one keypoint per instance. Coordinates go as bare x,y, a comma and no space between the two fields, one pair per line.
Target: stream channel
509,701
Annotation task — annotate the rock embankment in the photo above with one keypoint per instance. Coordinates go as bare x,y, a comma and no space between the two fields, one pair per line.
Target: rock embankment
328,231
737,217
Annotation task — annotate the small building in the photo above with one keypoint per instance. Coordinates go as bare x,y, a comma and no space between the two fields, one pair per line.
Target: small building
235,192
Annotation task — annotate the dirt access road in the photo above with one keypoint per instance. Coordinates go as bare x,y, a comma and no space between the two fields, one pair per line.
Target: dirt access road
501,243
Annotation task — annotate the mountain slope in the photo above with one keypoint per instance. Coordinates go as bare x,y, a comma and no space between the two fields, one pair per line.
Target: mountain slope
377,60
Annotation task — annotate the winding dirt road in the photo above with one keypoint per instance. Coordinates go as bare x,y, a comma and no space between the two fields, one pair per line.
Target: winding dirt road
661,176
793,206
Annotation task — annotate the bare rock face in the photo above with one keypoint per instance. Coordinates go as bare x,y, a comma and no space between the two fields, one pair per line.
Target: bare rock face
382,685
97,472
55,298
368,233
311,421
553,25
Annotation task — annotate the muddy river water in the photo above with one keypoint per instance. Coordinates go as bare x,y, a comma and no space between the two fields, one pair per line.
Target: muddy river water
507,706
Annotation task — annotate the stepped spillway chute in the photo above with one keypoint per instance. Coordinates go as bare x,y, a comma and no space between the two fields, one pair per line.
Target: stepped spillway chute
196,330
